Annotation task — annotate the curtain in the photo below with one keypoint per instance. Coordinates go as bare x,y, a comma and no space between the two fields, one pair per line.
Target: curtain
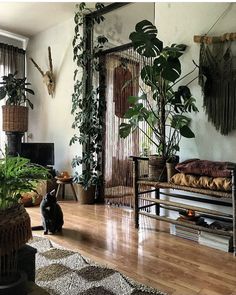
118,168
12,59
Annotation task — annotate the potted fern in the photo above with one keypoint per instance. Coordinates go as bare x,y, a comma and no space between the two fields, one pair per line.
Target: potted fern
17,175
165,105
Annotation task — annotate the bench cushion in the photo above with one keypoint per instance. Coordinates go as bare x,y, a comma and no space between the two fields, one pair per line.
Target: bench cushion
206,182
204,168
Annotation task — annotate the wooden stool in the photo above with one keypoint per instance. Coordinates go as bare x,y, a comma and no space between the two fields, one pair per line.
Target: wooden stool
61,185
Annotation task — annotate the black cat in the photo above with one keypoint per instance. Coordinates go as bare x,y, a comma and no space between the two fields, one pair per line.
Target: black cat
51,214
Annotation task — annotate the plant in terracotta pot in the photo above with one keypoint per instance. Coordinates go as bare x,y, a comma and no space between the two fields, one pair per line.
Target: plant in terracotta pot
17,175
164,105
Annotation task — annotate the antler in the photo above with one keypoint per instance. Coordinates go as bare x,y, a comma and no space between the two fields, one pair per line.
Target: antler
37,66
50,59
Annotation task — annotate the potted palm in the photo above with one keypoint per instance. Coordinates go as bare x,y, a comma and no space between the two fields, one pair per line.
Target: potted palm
164,106
17,175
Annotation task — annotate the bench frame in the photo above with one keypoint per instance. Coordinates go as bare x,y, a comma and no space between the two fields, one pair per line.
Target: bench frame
158,202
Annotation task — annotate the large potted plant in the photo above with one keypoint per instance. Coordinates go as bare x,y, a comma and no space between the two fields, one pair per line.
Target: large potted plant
17,175
164,106
87,105
15,110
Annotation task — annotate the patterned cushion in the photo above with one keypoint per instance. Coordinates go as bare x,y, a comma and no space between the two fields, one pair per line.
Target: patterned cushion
217,183
204,167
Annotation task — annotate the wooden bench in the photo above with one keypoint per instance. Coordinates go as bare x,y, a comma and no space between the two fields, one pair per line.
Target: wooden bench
220,198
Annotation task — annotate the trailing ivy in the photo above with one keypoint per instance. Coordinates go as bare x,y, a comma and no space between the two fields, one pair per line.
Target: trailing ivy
88,106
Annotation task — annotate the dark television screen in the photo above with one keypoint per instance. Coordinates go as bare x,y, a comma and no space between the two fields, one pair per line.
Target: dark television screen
38,153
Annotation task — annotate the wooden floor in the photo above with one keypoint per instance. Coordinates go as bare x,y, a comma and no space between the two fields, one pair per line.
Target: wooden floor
149,255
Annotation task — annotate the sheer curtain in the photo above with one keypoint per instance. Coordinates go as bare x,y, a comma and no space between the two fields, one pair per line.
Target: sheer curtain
118,169
12,59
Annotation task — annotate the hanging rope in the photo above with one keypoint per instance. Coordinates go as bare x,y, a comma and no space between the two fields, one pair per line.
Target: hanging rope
217,39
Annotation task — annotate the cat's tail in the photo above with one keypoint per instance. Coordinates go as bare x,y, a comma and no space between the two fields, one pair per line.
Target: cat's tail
39,227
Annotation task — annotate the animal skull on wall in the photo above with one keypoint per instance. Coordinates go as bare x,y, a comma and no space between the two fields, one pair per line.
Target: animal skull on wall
48,77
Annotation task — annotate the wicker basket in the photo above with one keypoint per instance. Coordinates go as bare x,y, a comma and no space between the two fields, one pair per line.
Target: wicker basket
15,228
157,168
15,231
14,118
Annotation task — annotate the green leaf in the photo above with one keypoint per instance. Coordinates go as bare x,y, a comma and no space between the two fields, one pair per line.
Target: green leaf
144,39
133,99
124,130
29,91
185,131
171,69
3,93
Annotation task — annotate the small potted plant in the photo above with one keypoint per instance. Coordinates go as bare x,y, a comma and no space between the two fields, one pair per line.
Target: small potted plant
164,106
17,175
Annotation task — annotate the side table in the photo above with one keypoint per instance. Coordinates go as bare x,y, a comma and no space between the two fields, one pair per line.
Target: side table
61,186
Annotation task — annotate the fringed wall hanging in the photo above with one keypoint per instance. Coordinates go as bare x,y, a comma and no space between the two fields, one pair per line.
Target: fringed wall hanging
217,77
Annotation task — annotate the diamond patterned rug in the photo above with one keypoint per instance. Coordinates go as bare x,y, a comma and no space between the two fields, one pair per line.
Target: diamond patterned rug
60,271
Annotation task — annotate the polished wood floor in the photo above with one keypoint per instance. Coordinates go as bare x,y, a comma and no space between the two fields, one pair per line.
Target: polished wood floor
149,255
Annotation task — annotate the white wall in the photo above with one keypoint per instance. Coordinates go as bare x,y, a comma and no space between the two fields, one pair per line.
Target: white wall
178,23
51,119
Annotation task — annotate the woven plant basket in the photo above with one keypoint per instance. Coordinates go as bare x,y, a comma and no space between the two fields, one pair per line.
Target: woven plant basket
157,168
15,228
86,196
15,231
14,118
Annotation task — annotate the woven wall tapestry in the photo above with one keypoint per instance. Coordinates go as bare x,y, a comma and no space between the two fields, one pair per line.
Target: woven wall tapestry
217,77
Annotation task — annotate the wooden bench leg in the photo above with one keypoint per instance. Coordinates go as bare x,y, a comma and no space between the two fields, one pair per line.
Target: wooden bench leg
234,211
135,194
157,206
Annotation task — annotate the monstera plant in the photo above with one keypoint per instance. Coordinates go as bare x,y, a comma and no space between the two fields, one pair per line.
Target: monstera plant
164,106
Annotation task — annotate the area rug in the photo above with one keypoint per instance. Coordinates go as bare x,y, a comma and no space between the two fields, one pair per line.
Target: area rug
60,271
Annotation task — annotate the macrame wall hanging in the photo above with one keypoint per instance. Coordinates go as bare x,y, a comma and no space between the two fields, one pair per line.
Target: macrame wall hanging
217,77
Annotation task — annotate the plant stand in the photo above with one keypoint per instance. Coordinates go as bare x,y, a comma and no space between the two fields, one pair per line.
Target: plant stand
14,142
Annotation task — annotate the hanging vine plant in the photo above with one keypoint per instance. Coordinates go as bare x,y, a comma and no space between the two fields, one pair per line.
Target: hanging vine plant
88,106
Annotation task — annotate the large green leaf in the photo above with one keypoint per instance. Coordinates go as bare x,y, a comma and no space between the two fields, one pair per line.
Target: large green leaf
149,75
145,40
3,92
124,130
176,50
179,121
185,131
171,69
